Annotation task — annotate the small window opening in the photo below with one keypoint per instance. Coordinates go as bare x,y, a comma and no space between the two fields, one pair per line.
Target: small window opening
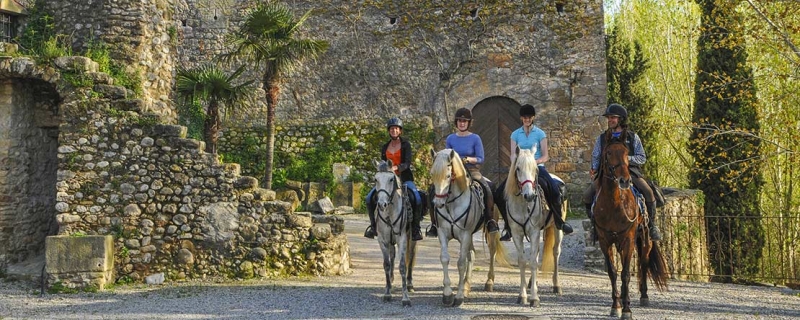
560,7
7,27
392,20
183,23
473,13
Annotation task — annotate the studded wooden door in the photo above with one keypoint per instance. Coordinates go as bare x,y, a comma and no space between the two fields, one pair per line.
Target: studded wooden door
495,119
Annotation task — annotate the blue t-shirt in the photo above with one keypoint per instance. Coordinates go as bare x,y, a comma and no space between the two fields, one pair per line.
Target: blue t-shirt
529,141
467,146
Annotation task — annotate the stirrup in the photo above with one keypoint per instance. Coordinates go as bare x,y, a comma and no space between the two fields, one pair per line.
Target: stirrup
431,232
655,234
491,226
416,234
506,235
565,227
370,233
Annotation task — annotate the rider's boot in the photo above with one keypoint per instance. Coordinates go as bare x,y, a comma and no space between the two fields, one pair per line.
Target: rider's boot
559,221
431,232
371,232
501,206
488,211
416,233
593,229
655,234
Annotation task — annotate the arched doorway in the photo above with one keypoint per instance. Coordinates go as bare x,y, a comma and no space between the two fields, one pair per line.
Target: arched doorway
495,119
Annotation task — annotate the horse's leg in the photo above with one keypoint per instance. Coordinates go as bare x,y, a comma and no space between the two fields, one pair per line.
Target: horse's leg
388,262
626,253
493,239
519,244
533,234
468,274
463,264
642,250
411,260
616,309
444,256
402,243
559,236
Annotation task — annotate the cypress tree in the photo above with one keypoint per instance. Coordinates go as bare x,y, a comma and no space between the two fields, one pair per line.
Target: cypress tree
724,144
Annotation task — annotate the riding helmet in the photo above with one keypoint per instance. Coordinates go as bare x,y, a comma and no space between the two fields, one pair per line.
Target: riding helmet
616,110
463,114
527,111
394,122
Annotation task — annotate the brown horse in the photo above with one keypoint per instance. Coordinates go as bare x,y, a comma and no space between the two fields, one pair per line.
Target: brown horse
619,223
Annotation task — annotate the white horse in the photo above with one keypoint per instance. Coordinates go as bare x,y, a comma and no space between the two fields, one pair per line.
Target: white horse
393,214
458,204
526,211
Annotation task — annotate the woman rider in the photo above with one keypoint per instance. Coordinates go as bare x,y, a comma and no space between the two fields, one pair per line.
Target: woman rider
398,150
529,137
470,147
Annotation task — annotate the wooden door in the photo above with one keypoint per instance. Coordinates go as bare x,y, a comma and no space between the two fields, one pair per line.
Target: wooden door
495,119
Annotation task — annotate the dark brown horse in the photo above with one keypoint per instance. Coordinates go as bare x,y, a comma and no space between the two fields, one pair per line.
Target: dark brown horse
620,223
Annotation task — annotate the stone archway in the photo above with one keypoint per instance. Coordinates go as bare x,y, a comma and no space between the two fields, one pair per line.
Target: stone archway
29,122
495,119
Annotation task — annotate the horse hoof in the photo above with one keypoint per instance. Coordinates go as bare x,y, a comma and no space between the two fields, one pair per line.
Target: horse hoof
458,302
387,298
410,288
644,302
489,287
520,300
616,313
448,300
627,316
534,303
557,291
406,303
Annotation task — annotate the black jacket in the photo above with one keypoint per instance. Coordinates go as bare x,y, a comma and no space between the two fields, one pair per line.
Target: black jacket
404,167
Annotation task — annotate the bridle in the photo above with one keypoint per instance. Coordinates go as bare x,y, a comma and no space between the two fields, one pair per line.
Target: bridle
448,217
399,220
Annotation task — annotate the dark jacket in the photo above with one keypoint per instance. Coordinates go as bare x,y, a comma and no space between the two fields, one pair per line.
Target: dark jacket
635,170
404,167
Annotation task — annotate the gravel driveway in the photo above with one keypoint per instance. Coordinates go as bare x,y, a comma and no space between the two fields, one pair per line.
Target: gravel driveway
358,295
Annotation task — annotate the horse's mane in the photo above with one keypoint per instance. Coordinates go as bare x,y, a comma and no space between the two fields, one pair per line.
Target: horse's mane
440,168
526,161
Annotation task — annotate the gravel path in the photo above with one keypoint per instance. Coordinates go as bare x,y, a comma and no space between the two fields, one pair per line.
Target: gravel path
358,295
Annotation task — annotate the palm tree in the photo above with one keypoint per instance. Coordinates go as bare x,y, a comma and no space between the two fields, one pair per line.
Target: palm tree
268,39
210,84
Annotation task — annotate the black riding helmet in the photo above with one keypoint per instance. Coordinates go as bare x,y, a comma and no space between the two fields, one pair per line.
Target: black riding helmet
527,111
463,114
394,122
616,110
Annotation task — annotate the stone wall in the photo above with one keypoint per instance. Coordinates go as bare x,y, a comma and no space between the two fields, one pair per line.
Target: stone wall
171,207
28,142
682,223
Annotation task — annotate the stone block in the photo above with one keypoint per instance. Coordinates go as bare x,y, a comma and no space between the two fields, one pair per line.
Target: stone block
314,192
341,172
67,256
324,206
168,130
348,194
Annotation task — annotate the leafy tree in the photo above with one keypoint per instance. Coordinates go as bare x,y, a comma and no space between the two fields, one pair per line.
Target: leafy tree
724,144
211,84
269,39
625,68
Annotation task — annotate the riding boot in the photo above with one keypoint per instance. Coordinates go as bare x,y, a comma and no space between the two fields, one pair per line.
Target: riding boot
559,221
416,233
655,234
488,211
431,232
506,236
593,229
371,231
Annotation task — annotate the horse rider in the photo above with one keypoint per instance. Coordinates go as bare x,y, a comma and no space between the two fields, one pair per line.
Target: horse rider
470,147
617,117
398,150
529,137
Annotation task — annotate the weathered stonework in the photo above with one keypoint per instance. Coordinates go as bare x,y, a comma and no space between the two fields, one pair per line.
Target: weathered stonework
170,207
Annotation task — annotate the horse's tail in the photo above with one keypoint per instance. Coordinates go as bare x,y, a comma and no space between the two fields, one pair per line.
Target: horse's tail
548,262
493,239
655,266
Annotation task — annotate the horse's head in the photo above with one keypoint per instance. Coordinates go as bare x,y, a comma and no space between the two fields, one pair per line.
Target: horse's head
387,184
447,175
616,164
522,180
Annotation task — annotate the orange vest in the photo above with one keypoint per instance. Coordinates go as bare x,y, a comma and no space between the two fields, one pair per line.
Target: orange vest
394,157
